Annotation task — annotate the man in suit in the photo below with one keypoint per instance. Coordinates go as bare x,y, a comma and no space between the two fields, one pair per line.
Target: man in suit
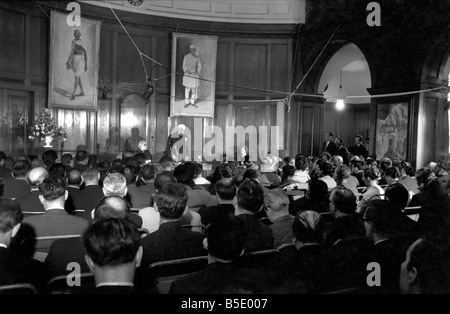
277,209
342,150
175,143
248,203
140,195
92,192
359,149
114,184
196,197
143,148
14,269
81,160
31,201
18,186
226,272
113,252
74,181
56,221
225,194
382,222
64,251
171,240
329,146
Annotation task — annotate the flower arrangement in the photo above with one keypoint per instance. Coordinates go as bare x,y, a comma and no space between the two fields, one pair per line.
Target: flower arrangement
45,126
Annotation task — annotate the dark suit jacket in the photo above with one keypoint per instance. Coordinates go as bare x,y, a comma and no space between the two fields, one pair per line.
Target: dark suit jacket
344,227
5,174
343,152
88,197
359,150
31,202
74,194
62,252
56,222
215,213
171,241
259,235
331,148
15,188
282,230
14,269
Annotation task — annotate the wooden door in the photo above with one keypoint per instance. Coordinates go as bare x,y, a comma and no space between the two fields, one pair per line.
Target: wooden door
133,122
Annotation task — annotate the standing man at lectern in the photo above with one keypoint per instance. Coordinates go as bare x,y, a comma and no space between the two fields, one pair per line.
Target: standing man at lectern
175,144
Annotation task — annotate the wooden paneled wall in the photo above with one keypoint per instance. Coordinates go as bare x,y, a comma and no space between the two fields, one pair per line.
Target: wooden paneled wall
247,70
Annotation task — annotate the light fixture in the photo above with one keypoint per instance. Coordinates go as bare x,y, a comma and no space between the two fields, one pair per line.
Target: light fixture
340,105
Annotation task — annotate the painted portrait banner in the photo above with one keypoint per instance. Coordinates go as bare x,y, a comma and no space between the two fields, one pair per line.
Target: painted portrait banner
193,75
392,131
74,63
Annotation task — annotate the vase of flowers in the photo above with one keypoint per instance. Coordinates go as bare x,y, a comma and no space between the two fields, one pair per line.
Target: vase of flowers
46,129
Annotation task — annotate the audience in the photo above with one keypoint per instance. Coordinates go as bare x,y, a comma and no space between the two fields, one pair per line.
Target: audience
225,194
31,202
18,186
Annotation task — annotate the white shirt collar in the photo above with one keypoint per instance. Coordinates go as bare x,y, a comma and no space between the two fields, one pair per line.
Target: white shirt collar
102,284
3,245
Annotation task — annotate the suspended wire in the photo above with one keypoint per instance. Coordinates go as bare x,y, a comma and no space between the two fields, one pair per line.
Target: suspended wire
42,9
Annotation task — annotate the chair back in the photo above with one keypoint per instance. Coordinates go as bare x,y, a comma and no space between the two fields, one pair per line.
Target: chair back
166,272
18,288
68,284
41,245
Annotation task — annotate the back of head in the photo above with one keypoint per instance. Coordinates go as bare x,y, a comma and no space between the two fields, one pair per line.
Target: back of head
20,169
342,172
112,207
397,194
81,156
250,196
114,184
424,176
344,200
301,163
90,175
250,174
131,161
171,200
385,163
392,172
74,177
326,169
53,188
276,200
383,217
140,159
372,173
222,171
182,174
36,176
226,189
10,214
288,171
165,161
49,157
409,170
147,172
308,227
318,190
226,238
426,258
57,169
130,173
66,159
163,178
111,242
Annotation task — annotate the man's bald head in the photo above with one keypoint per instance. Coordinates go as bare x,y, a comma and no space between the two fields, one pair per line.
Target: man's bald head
111,207
36,176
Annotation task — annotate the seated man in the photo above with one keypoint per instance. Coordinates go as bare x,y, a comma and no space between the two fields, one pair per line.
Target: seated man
171,240
423,272
143,148
277,209
226,272
92,192
113,252
55,221
225,194
114,184
15,269
31,202
249,201
18,186
64,251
